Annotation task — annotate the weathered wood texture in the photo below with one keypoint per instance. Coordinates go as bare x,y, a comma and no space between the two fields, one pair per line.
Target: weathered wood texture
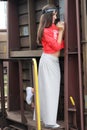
29,116
3,44
13,26
84,53
84,43
25,17
25,78
73,79
84,40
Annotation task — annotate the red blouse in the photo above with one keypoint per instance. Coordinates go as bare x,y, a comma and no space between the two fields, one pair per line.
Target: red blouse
49,40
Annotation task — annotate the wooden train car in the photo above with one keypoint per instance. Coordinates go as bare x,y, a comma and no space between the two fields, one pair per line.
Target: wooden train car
23,20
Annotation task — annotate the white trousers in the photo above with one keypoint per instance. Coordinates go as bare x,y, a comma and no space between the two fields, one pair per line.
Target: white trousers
49,88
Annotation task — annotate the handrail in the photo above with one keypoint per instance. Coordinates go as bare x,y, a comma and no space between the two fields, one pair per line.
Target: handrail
37,103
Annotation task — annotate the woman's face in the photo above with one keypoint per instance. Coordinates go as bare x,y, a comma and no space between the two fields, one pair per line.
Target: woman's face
54,16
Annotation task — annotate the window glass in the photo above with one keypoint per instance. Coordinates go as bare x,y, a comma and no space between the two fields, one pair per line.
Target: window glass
3,15
61,9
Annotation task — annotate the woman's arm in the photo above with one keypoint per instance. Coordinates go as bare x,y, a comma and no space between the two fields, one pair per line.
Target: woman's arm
53,43
60,26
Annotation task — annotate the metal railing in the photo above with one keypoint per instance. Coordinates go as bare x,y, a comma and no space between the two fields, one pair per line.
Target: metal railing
37,103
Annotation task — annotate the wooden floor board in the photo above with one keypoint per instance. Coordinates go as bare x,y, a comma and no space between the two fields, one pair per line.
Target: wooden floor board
16,116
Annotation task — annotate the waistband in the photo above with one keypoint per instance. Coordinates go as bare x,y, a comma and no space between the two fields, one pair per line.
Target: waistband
50,57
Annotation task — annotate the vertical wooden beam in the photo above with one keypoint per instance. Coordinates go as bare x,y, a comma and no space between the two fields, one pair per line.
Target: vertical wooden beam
84,41
13,86
13,26
84,19
84,51
32,24
79,65
2,89
66,68
23,119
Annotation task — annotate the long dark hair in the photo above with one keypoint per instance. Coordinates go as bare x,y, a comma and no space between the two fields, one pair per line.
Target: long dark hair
45,21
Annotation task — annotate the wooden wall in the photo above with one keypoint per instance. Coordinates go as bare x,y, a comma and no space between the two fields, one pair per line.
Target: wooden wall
23,18
3,44
3,55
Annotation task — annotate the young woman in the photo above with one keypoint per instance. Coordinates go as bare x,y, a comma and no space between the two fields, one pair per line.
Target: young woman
50,36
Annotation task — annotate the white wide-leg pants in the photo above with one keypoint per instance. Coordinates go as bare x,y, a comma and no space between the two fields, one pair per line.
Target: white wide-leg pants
49,88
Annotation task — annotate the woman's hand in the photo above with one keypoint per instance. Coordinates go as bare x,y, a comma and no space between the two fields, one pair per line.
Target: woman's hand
61,28
60,25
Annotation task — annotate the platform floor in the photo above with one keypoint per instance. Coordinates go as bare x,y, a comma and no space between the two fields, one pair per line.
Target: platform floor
28,119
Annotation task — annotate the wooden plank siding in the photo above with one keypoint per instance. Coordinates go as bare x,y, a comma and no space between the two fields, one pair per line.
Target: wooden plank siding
3,55
3,44
23,25
28,13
